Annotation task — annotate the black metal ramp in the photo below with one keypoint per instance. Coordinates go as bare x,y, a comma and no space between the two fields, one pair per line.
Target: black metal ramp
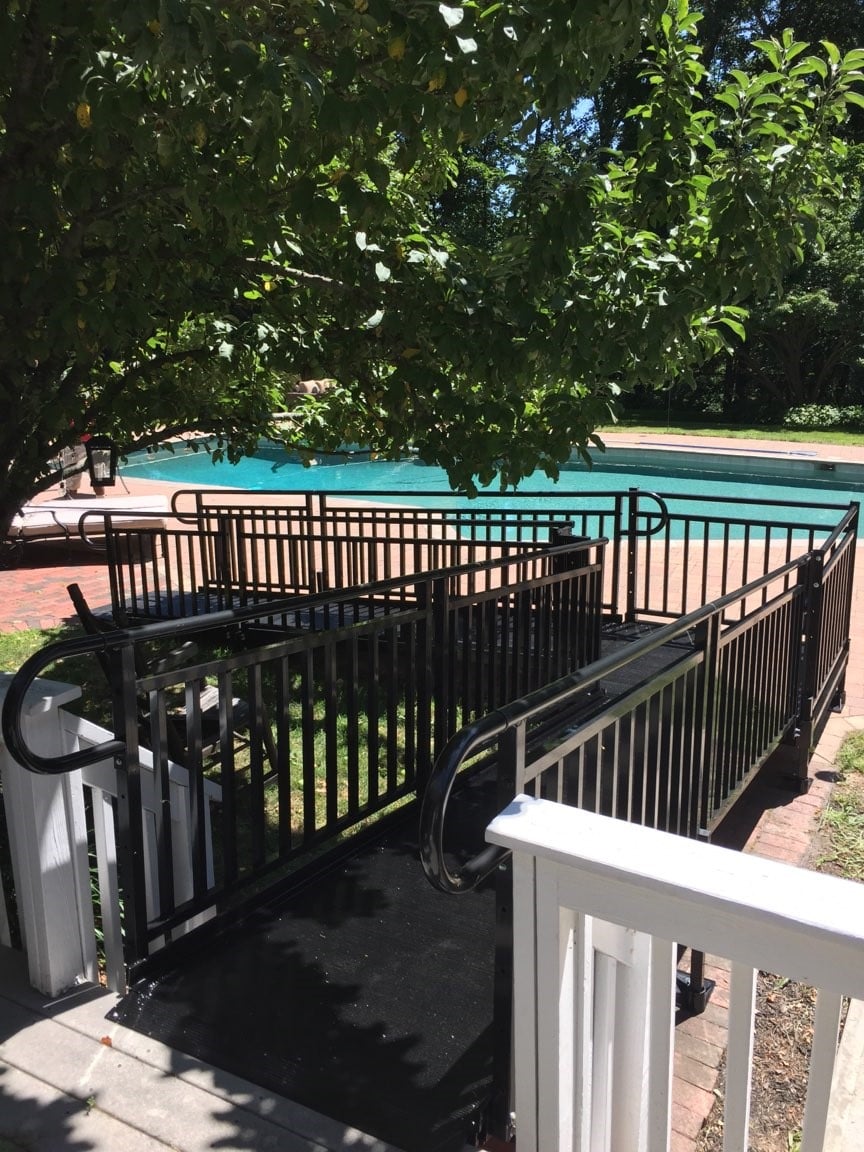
366,995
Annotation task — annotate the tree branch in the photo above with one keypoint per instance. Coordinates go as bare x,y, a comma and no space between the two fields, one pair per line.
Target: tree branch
268,266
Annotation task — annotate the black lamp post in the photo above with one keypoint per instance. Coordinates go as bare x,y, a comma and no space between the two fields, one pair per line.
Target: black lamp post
101,461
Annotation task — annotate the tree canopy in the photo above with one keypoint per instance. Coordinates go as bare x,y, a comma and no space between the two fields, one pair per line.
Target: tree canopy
200,205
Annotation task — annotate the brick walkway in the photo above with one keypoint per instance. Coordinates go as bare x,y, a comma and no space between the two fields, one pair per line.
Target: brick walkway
34,594
770,820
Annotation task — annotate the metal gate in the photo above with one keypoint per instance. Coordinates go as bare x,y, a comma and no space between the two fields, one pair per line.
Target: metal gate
297,721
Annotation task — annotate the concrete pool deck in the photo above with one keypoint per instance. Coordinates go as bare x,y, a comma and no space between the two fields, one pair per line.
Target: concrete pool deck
770,448
728,460
35,1068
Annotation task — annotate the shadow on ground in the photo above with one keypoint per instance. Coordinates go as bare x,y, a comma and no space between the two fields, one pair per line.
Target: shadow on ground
365,996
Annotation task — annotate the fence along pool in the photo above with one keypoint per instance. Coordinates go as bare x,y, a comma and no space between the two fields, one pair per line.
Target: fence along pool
761,666
667,553
758,665
362,687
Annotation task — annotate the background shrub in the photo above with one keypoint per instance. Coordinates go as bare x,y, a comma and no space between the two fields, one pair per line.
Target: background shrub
817,416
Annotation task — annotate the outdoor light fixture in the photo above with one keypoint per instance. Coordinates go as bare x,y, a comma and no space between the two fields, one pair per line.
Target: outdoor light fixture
101,461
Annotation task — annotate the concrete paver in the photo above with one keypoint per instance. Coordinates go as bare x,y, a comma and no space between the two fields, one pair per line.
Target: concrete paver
36,1117
70,1080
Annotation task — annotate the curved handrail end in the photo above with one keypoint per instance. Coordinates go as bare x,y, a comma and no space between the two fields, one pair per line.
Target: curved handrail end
12,720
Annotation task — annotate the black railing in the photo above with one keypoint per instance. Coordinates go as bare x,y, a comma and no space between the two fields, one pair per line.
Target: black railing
223,549
674,752
707,547
343,698
342,701
829,584
761,666
668,553
642,757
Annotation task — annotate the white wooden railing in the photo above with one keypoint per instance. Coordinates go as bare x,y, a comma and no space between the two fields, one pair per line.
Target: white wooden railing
48,841
598,907
101,781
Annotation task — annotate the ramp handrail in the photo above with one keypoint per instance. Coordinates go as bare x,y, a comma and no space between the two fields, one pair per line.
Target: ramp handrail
848,521
662,519
476,735
225,547
231,620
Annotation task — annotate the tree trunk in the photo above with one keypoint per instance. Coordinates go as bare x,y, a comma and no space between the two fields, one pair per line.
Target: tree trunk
732,374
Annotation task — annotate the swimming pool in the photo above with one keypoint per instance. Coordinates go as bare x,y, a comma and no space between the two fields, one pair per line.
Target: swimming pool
688,474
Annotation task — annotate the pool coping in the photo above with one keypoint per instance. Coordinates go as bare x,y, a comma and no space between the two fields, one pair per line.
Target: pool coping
761,463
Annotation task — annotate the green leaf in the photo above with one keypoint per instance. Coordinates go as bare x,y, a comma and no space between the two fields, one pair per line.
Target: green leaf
734,326
809,65
831,51
771,49
729,98
453,17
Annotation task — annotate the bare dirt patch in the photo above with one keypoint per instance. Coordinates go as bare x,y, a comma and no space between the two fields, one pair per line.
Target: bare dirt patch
781,1056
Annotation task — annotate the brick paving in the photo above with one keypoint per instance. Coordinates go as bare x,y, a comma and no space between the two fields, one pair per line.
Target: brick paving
34,595
770,820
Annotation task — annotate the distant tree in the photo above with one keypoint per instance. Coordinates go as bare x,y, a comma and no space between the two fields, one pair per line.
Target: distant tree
805,345
612,272
472,208
803,338
729,27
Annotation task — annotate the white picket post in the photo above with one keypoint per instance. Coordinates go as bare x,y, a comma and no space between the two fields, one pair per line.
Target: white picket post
48,844
608,901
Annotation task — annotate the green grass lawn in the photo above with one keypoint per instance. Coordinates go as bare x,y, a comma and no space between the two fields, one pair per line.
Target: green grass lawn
15,647
843,820
773,432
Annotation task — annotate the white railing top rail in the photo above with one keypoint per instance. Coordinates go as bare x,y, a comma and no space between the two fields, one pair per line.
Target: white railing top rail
599,906
801,924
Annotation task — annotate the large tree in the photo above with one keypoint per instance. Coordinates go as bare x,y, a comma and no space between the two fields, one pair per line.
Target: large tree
200,204
805,343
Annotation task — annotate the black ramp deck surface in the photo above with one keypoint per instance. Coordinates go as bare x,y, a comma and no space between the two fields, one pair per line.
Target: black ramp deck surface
366,995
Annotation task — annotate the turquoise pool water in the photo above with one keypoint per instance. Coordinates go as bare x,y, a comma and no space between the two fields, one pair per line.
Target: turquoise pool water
412,482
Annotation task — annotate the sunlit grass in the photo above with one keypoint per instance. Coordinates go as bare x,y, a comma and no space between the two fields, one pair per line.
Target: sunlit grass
842,849
83,671
773,432
15,647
